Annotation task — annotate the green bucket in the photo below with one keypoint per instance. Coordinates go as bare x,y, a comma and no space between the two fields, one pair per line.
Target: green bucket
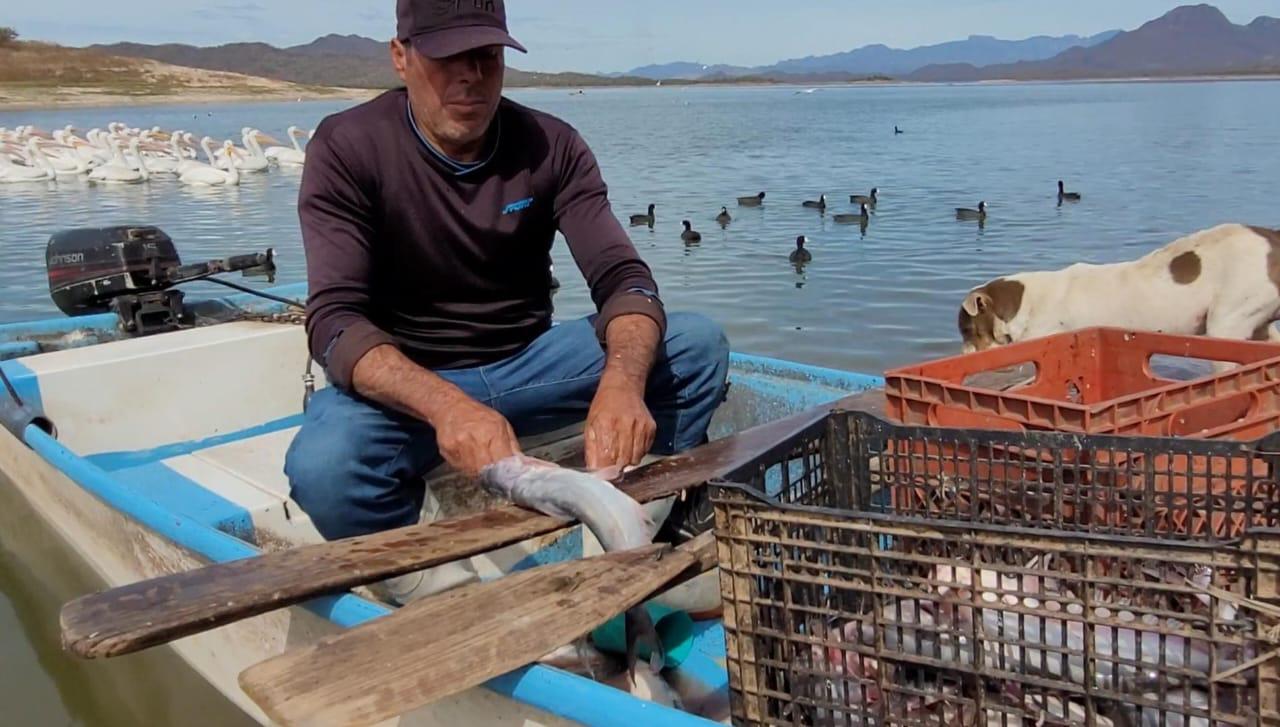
675,631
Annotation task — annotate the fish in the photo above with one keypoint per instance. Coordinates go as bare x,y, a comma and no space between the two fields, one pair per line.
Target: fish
1127,657
617,521
1174,711
648,686
585,660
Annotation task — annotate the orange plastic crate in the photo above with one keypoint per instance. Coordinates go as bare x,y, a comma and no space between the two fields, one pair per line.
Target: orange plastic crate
1097,381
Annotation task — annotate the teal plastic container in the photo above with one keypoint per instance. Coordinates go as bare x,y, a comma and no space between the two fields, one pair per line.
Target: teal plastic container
675,631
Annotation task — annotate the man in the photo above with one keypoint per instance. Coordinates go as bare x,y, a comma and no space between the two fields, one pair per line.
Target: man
427,216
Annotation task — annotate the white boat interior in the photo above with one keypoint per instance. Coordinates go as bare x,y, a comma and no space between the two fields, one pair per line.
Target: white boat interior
169,451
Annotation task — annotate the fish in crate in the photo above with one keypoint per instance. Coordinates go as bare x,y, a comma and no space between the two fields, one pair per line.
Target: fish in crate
847,611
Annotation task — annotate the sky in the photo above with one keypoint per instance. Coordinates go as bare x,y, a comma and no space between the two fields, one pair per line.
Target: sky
609,35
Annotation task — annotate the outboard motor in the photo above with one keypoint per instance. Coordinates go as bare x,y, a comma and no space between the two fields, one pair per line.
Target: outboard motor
131,270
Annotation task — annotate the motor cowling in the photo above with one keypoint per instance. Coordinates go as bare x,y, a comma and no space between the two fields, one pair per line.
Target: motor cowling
89,267
132,270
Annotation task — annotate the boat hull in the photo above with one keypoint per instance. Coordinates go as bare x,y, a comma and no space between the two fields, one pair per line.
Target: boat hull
124,534
120,551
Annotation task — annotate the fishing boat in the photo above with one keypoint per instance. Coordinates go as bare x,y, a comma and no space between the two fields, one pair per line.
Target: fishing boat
154,452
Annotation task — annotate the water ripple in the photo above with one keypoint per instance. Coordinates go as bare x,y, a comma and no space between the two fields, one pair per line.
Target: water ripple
1154,161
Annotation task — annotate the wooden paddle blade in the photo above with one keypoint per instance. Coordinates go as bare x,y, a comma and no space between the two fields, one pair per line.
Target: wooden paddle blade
445,644
149,613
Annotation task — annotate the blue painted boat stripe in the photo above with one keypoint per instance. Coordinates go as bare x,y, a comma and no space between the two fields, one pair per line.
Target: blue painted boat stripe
112,461
835,378
181,529
177,493
566,547
706,661
586,702
25,382
56,326
551,690
796,400
16,349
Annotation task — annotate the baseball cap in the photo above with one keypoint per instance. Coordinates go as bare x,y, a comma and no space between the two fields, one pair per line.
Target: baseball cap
443,28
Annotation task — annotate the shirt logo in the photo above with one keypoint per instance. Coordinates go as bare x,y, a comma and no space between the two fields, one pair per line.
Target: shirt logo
517,206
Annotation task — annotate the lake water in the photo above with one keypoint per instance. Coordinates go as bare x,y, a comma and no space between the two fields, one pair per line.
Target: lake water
1154,162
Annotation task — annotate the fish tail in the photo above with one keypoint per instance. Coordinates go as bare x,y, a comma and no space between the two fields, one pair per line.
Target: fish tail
641,631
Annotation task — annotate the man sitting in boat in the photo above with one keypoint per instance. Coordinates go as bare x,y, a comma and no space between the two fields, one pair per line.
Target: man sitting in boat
427,216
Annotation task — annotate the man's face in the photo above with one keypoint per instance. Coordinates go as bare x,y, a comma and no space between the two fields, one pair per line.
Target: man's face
453,98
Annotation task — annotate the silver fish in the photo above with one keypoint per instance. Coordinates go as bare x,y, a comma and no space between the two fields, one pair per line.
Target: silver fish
617,521
1173,712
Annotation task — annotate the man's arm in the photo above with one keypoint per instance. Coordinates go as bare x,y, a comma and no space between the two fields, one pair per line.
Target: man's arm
621,283
336,212
358,356
619,429
469,434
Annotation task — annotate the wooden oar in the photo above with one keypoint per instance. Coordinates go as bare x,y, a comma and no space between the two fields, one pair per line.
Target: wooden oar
448,643
148,613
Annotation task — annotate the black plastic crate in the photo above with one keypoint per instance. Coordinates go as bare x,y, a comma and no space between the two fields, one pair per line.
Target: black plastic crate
841,609
1200,489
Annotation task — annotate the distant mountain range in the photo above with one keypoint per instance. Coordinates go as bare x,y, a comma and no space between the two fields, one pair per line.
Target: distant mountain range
976,50
1191,40
350,61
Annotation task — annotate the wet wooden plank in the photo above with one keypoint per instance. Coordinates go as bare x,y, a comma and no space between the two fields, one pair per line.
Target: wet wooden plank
137,616
457,640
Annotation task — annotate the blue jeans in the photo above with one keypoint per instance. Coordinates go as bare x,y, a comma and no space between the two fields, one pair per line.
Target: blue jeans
356,467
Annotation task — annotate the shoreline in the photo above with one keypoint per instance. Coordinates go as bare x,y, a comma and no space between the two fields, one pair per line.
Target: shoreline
38,98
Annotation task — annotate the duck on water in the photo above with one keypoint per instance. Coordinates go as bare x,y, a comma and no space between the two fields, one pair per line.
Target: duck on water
644,219
819,204
690,234
871,200
853,217
967,213
800,255
1064,195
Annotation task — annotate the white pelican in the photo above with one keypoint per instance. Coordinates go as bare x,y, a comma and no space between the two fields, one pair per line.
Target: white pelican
211,177
256,161
11,173
159,162
118,171
288,156
65,164
188,164
230,152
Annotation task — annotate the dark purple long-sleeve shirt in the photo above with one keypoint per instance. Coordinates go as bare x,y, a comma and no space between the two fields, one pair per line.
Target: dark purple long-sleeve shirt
449,263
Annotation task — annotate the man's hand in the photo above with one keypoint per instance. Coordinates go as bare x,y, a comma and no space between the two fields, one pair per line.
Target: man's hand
620,429
471,436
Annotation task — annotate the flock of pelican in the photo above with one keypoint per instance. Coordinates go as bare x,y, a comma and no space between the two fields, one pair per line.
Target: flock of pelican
123,155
